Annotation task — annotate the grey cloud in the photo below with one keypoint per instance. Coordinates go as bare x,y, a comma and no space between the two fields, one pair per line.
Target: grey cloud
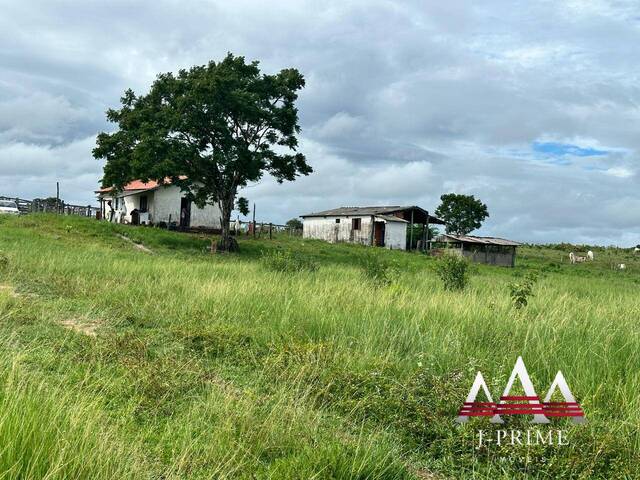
404,101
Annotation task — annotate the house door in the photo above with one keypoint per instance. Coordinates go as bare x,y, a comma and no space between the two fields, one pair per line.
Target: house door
185,212
378,234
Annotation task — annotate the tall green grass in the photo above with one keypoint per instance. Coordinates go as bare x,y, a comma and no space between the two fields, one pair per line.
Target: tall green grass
50,433
224,366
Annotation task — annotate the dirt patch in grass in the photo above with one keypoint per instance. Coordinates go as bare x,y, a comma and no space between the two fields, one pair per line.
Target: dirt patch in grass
81,325
425,475
10,290
138,246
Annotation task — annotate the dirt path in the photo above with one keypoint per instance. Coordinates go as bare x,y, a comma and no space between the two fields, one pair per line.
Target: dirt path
139,246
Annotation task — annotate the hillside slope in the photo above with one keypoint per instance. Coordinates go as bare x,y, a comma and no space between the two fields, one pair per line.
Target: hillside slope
174,363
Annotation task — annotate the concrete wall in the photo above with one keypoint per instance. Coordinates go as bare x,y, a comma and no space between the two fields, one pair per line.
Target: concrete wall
326,228
395,235
166,204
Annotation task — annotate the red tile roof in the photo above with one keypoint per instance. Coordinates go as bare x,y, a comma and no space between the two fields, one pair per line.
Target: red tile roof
139,185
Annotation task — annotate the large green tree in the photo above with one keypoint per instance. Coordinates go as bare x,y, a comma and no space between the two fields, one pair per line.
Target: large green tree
211,130
461,213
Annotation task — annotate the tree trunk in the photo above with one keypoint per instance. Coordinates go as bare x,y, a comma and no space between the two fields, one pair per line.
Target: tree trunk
227,243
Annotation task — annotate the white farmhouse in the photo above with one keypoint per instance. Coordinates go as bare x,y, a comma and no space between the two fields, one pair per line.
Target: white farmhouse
384,226
152,203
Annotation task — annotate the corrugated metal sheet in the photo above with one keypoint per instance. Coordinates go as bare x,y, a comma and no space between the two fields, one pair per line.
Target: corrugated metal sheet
479,240
390,218
376,210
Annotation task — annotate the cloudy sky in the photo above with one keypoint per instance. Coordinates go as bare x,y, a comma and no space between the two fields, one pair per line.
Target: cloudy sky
534,107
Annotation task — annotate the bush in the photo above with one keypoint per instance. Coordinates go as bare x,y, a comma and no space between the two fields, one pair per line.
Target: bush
380,271
521,291
453,270
287,261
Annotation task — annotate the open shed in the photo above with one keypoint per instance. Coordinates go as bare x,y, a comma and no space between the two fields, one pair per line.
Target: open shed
489,250
383,226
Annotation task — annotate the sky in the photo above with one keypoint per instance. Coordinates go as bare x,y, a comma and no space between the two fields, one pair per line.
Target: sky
533,106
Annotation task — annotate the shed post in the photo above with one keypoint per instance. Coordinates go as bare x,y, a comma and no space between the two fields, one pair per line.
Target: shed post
371,233
411,233
427,244
254,220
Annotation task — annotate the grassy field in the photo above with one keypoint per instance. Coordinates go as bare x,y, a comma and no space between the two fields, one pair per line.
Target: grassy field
120,363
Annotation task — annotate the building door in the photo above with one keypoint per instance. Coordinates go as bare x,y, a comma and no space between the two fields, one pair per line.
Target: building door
185,212
378,234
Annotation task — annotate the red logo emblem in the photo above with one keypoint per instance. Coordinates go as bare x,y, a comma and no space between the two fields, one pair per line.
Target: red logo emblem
528,404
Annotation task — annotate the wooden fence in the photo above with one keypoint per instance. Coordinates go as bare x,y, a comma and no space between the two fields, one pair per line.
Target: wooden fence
60,207
262,228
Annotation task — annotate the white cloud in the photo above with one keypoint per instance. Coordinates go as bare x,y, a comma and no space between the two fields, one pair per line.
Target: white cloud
620,172
404,101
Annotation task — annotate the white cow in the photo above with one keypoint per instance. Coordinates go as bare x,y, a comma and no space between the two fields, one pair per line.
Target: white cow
573,258
636,250
590,255
621,266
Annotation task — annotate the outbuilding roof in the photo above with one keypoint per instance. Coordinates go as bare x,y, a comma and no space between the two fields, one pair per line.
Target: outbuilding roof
391,218
420,213
448,238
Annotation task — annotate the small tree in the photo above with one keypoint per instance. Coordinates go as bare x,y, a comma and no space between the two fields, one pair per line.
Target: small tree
294,224
461,213
453,270
211,130
521,291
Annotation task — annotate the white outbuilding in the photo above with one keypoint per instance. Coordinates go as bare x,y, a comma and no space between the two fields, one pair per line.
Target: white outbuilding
153,203
383,226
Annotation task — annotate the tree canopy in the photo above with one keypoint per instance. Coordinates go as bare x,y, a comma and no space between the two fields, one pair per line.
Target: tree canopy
294,224
461,213
211,130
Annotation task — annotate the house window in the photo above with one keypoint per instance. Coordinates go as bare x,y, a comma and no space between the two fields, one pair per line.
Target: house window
144,203
355,223
337,220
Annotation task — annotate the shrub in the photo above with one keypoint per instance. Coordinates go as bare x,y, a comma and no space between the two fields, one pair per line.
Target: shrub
521,291
379,271
453,270
287,261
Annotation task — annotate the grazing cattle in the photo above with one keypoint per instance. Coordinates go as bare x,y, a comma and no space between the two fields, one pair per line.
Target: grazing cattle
590,255
573,258
636,250
621,266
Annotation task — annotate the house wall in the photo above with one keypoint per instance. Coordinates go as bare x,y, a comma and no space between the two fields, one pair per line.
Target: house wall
166,204
395,235
326,228
209,216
